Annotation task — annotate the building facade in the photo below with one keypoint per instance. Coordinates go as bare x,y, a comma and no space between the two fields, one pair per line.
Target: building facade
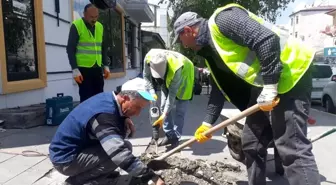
306,24
33,37
160,23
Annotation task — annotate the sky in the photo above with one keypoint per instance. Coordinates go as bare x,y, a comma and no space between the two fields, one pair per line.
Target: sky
296,5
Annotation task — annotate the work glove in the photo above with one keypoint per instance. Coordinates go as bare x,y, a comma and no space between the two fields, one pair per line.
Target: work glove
155,96
107,73
159,122
199,134
267,97
77,76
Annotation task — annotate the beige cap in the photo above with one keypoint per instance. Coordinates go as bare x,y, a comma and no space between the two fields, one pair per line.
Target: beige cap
158,65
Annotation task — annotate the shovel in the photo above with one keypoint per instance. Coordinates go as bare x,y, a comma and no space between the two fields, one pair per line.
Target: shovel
223,124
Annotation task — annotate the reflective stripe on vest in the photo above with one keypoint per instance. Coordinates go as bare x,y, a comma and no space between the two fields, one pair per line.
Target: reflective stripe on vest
89,47
295,56
175,61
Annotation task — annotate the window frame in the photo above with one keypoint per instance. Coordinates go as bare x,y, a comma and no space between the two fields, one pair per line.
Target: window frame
122,16
30,84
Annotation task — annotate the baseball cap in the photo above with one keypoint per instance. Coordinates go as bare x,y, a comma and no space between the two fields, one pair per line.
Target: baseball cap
139,85
158,65
186,19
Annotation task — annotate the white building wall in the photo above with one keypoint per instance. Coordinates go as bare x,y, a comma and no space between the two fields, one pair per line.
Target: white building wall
161,26
57,61
309,28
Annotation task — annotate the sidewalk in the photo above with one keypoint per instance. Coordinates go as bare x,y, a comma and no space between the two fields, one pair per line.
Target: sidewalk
20,170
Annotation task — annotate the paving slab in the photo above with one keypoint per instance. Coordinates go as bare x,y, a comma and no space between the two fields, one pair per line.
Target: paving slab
38,139
15,166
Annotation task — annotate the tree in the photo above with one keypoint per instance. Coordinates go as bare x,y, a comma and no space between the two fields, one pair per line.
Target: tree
268,9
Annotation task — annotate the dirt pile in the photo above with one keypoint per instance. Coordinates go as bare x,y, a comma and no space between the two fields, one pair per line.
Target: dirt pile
182,171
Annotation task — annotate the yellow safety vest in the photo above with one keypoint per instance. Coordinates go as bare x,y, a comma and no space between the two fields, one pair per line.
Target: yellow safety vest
175,61
89,46
295,56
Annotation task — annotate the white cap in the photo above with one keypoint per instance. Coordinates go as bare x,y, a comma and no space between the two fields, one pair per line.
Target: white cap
158,65
139,85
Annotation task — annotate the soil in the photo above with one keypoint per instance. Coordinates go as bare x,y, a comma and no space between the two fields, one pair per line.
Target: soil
182,171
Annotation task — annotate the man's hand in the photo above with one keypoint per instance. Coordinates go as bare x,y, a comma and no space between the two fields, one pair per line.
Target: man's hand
266,99
107,73
199,134
159,121
159,182
130,127
77,76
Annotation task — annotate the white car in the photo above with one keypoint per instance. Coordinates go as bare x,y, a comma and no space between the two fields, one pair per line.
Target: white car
329,96
322,74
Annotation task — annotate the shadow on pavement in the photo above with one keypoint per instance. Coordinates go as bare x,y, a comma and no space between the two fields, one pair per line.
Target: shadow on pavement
210,147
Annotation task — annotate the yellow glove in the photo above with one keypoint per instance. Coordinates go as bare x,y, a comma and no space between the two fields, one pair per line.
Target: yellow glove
155,97
159,121
200,137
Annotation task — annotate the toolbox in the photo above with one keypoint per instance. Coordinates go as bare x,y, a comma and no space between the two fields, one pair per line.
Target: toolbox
57,108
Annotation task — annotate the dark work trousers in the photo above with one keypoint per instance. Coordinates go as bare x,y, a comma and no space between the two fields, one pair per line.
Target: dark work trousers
93,82
288,128
91,166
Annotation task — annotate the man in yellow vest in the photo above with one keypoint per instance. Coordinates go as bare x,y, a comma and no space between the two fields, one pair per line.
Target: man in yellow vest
252,61
86,53
175,74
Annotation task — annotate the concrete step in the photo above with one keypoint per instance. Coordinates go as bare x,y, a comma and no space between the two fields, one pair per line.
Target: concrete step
24,117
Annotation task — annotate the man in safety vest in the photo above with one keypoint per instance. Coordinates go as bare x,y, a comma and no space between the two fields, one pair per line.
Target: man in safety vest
252,61
86,53
175,74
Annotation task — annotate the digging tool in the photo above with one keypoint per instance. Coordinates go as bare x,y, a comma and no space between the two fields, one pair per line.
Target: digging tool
322,135
225,123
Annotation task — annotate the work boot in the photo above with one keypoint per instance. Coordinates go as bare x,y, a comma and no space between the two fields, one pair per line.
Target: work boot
169,141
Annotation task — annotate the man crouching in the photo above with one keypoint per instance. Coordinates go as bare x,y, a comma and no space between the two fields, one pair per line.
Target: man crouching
89,144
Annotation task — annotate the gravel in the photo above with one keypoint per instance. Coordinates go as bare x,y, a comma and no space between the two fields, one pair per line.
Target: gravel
175,170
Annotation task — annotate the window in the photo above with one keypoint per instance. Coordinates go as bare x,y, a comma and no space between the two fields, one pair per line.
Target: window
113,38
113,22
130,43
296,34
291,21
297,19
321,71
22,52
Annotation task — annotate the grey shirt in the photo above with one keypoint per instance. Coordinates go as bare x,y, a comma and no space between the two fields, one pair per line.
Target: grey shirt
72,45
168,95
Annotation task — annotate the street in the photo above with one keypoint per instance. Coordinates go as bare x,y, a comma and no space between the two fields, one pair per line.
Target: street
19,170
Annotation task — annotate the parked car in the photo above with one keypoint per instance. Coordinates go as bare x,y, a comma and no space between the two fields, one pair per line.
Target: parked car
329,96
322,74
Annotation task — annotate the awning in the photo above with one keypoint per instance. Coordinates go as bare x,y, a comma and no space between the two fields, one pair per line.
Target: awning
139,10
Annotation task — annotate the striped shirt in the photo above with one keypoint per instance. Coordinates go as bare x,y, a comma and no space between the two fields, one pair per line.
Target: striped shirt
110,130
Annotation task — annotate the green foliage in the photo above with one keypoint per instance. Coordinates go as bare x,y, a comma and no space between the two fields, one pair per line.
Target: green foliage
268,9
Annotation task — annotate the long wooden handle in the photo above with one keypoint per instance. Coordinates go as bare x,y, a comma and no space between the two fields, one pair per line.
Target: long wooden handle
223,124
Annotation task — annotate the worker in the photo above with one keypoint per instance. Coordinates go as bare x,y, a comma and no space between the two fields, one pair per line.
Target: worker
254,61
86,53
90,144
175,74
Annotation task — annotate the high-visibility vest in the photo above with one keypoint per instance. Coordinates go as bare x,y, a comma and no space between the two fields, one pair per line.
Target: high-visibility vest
89,47
176,61
295,56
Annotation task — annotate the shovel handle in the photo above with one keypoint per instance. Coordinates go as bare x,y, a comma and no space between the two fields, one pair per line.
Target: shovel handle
222,125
